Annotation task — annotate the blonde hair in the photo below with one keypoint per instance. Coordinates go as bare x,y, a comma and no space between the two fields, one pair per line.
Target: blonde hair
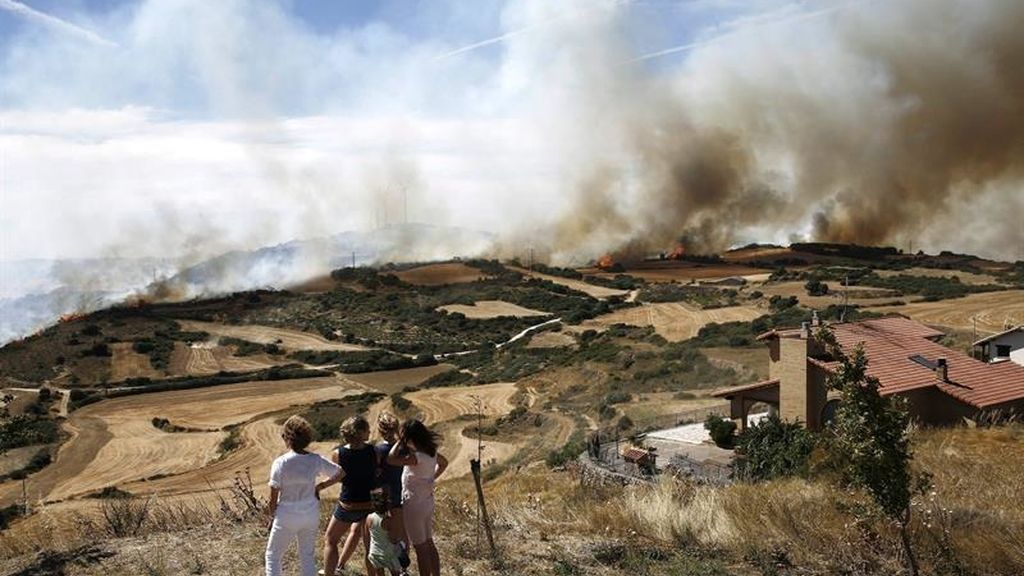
352,426
297,432
387,424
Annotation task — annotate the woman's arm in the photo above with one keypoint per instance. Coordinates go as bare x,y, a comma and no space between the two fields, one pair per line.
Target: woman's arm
275,493
396,458
442,465
330,482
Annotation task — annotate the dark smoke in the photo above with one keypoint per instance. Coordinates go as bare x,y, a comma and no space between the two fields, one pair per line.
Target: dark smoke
880,123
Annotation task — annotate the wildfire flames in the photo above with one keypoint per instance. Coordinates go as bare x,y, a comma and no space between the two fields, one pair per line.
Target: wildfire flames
678,252
65,318
606,262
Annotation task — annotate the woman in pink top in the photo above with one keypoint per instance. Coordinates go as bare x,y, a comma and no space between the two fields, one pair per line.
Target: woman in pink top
416,450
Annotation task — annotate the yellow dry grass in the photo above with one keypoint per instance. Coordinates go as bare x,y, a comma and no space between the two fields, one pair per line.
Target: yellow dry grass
126,363
992,310
440,274
114,442
289,339
599,292
484,309
675,321
392,381
203,358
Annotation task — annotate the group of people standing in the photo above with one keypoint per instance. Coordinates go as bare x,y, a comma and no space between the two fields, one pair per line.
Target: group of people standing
386,500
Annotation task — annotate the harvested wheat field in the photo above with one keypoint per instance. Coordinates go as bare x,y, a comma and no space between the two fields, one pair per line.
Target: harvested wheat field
599,292
993,311
126,363
392,381
440,274
289,339
114,442
446,409
965,277
861,296
674,321
203,358
549,339
484,309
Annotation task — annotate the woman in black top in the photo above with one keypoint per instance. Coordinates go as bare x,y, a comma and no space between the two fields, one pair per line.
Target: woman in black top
359,461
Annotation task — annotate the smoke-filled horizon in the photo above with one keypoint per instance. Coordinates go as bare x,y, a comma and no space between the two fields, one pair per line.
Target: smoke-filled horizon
190,129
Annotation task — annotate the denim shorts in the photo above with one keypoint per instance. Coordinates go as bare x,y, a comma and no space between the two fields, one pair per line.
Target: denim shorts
350,516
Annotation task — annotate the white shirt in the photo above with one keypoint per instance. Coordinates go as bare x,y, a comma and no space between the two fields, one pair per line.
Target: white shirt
418,479
295,476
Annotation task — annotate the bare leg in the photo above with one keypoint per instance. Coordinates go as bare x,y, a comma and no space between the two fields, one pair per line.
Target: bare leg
423,560
355,532
370,570
334,531
435,560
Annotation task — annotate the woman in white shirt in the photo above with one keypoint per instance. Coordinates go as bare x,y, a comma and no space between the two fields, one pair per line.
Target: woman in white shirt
294,497
416,450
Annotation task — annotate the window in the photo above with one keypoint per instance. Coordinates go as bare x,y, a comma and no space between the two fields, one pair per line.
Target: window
828,413
1002,350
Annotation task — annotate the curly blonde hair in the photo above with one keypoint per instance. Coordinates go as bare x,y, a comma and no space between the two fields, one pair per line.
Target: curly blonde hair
352,427
297,433
387,424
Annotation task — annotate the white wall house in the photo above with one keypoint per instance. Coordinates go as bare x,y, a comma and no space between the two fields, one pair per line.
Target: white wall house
1007,345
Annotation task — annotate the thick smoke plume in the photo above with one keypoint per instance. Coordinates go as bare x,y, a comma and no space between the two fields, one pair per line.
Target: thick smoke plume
879,122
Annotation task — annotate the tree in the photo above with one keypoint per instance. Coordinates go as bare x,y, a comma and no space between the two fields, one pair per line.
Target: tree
721,430
871,440
816,287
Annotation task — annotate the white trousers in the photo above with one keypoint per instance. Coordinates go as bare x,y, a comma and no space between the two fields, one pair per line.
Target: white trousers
289,526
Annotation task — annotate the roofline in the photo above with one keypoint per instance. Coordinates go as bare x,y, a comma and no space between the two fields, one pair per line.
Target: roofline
999,335
726,392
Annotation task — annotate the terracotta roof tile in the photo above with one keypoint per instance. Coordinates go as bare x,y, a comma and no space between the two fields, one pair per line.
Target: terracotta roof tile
889,344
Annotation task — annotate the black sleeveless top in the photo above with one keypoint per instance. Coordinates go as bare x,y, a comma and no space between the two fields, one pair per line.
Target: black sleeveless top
360,468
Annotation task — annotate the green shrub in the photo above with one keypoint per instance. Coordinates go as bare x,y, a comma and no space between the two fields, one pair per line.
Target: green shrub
816,287
773,448
721,430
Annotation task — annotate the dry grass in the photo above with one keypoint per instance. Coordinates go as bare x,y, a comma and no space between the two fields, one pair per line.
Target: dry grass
440,274
485,309
993,311
675,321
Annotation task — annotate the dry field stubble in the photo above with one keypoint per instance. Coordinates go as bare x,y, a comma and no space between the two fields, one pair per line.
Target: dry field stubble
681,271
484,309
126,363
204,358
599,292
440,274
289,339
992,310
675,321
836,296
392,381
114,442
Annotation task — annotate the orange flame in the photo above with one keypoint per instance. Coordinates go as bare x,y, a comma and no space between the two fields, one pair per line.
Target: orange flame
65,318
606,262
678,252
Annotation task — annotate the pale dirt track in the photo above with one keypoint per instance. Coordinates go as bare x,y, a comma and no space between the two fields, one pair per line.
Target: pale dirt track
114,443
599,292
674,321
491,309
440,274
126,363
993,311
290,339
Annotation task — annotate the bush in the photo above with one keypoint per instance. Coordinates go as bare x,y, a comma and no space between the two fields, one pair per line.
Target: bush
573,448
773,449
721,430
816,287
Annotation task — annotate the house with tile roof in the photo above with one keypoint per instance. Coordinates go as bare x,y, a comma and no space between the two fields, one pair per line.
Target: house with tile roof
1007,345
942,386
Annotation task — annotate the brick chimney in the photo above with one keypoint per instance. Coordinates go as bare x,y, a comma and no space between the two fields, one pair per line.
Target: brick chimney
942,370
